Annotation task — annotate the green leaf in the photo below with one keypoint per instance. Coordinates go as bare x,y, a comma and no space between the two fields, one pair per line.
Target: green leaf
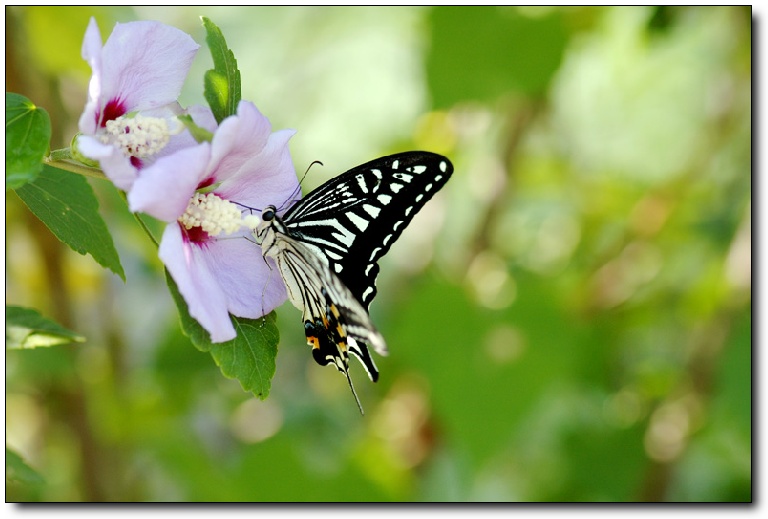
66,204
18,471
497,50
249,357
222,83
26,328
27,138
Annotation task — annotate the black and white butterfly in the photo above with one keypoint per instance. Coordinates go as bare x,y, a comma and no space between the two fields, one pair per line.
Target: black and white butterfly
327,246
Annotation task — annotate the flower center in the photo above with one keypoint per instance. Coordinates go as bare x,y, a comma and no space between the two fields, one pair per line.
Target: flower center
214,215
138,136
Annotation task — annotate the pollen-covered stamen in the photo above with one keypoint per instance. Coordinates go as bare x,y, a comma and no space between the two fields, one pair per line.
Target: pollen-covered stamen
251,222
138,136
214,215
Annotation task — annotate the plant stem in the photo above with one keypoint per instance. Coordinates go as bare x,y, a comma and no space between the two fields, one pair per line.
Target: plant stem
72,167
141,222
146,229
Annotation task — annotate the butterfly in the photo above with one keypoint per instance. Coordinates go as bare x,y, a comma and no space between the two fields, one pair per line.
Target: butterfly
327,246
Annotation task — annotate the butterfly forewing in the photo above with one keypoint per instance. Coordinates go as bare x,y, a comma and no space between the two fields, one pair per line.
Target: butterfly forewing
356,217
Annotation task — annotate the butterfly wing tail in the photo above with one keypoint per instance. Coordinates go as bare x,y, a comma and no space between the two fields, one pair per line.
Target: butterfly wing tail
360,350
328,348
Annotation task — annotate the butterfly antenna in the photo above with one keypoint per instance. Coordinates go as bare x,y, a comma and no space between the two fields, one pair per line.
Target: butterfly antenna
354,393
308,168
246,207
292,198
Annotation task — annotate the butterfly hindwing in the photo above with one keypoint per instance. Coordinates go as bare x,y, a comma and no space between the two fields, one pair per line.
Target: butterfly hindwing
330,312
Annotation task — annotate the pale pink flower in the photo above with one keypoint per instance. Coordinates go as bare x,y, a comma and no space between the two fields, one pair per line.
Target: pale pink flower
129,119
205,193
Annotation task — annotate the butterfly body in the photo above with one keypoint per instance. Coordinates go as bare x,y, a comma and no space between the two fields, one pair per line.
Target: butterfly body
327,245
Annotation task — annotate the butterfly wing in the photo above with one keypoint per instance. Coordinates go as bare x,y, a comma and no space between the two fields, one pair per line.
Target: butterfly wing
355,218
334,320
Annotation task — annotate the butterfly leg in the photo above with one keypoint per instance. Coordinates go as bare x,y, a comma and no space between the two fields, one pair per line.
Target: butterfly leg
264,290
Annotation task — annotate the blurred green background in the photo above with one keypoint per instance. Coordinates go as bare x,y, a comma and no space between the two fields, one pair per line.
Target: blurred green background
569,320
